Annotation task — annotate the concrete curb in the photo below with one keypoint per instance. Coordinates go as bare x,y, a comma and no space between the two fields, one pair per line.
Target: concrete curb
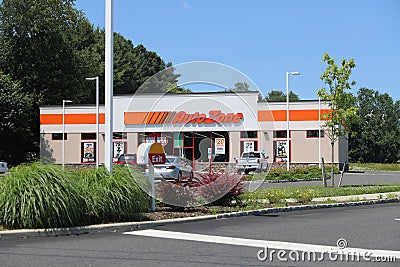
299,180
132,226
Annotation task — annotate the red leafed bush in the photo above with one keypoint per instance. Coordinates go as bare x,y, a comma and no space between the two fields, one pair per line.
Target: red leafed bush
175,193
218,188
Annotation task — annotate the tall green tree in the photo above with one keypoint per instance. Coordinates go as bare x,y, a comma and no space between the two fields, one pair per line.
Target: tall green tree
378,130
133,65
15,121
342,103
45,45
279,96
50,48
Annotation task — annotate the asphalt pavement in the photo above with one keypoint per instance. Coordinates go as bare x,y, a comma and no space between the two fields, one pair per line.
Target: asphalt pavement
349,178
225,242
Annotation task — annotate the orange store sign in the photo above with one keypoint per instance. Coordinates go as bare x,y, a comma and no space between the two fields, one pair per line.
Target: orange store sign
181,117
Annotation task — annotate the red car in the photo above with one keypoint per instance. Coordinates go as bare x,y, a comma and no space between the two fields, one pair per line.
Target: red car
127,159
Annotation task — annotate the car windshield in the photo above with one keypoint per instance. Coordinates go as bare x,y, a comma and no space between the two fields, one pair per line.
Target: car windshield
127,157
170,160
251,155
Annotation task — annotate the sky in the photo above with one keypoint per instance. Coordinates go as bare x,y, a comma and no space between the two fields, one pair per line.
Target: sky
264,39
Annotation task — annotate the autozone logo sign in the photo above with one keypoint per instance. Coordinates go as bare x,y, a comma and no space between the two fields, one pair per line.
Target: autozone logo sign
182,118
214,116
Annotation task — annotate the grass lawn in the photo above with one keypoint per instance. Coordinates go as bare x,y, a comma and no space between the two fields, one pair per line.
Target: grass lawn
318,191
374,167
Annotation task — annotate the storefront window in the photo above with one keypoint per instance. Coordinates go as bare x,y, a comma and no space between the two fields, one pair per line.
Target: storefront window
248,146
314,133
249,134
88,152
58,136
280,134
248,141
119,148
119,135
88,136
280,151
165,139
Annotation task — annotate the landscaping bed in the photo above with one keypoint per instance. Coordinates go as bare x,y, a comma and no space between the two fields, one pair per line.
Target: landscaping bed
45,196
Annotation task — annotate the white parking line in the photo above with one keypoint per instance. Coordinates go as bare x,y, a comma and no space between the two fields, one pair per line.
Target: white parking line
259,243
397,219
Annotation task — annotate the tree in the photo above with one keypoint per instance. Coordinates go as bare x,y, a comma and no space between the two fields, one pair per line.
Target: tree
50,48
240,87
342,103
15,121
46,47
377,133
279,96
132,65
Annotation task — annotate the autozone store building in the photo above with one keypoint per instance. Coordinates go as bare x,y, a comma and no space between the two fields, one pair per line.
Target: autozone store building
193,125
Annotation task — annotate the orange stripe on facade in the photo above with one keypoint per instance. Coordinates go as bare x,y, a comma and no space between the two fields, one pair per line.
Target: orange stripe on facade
294,115
51,119
160,117
155,117
135,117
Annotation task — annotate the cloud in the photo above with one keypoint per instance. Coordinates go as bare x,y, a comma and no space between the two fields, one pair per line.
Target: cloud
185,4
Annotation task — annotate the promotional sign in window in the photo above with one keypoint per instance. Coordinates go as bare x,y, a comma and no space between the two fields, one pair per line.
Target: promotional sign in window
160,138
248,146
119,149
280,148
88,153
219,145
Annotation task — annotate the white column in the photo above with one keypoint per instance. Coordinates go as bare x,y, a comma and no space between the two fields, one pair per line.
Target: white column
97,117
287,124
109,50
287,117
63,134
319,132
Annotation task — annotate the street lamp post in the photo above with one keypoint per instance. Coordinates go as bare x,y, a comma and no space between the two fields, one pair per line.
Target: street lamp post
319,132
287,118
97,117
63,131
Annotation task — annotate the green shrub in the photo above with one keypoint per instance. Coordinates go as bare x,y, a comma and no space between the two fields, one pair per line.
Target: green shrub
39,196
113,198
304,196
274,195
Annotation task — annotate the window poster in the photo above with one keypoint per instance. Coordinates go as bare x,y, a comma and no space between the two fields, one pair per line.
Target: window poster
119,149
248,146
281,149
88,151
220,146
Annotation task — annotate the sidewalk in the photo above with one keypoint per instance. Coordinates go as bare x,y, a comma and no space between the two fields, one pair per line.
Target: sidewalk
353,198
358,197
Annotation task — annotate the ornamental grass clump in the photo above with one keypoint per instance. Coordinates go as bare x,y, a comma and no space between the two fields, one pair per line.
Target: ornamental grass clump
39,195
112,198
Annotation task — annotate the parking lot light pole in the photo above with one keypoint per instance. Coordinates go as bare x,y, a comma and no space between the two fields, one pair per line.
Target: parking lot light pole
287,119
63,132
109,57
97,118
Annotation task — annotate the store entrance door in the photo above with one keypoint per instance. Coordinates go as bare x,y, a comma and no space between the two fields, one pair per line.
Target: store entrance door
197,144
